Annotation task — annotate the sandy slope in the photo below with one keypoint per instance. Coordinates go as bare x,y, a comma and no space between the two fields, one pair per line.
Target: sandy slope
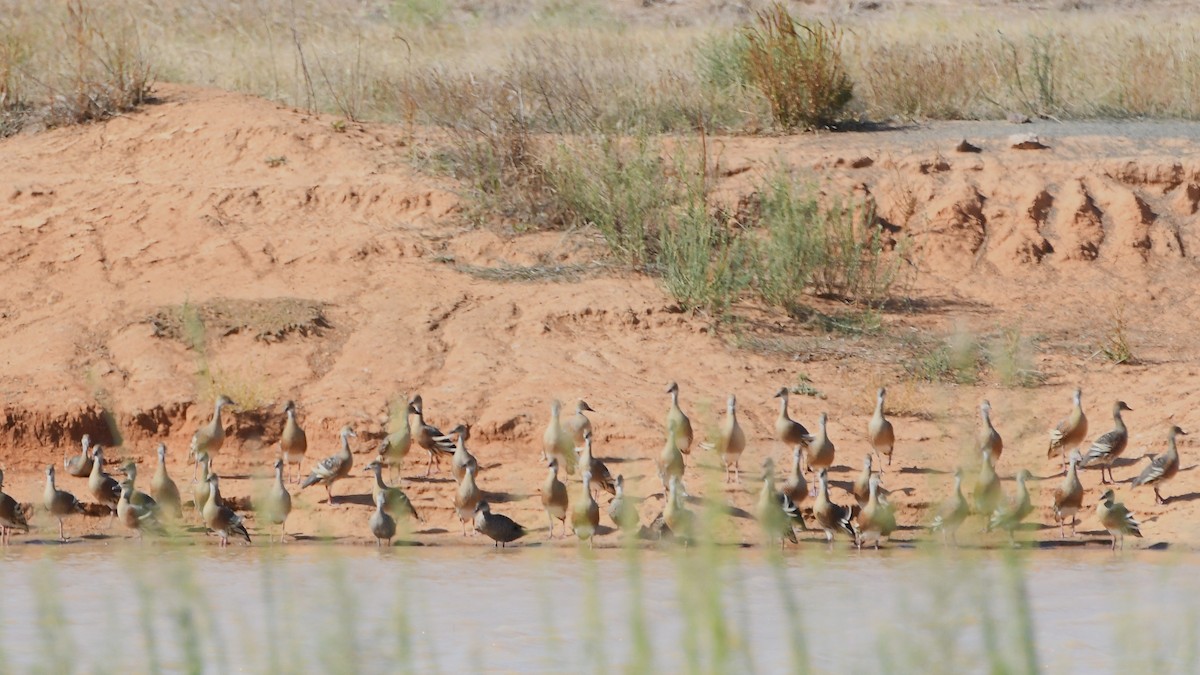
178,203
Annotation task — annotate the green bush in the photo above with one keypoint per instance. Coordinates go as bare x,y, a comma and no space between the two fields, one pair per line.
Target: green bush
837,250
799,68
704,265
620,189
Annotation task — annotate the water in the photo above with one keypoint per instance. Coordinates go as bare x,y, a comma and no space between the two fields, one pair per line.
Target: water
357,609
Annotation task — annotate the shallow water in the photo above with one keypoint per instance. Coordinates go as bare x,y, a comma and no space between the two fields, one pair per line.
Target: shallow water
345,609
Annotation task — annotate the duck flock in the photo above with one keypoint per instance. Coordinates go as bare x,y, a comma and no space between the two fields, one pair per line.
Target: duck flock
567,446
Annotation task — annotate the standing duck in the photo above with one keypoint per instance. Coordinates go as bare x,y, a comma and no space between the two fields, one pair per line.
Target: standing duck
585,513
462,457
876,520
821,451
202,489
578,426
382,525
1117,519
333,468
220,518
770,511
680,520
1069,433
137,497
677,422
1162,468
12,517
293,442
59,503
277,502
554,498
1106,449
430,437
832,518
139,518
209,438
499,528
1010,516
952,512
395,501
395,446
104,488
731,441
601,477
80,465
862,484
1068,497
879,430
466,498
795,487
163,489
989,438
557,443
622,510
788,431
987,490
670,462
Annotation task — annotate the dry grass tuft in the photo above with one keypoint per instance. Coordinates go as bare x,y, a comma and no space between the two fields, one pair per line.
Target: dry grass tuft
799,68
69,63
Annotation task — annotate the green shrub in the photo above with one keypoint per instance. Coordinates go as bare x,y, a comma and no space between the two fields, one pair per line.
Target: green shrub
799,68
837,250
704,265
620,189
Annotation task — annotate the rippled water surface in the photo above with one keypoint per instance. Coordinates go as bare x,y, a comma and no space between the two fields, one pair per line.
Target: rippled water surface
352,609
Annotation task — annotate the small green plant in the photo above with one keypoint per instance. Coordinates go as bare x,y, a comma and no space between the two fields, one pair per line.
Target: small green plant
338,126
798,67
275,161
804,387
1116,346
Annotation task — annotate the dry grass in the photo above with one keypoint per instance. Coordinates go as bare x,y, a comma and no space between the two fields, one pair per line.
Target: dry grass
266,320
567,67
798,67
581,69
68,63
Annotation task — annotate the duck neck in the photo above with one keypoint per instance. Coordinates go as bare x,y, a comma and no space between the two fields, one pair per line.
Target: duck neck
379,477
